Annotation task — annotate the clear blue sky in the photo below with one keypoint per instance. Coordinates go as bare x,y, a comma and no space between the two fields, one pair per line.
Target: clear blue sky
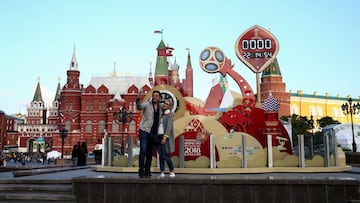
319,41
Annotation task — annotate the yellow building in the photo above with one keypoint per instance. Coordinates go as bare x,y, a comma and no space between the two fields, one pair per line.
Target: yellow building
321,106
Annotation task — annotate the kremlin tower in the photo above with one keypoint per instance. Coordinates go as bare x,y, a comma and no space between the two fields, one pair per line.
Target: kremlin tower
271,81
168,74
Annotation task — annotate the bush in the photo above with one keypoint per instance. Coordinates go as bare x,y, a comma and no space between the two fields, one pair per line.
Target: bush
346,149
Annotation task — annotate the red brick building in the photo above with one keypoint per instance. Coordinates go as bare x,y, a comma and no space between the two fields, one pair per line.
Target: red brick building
85,112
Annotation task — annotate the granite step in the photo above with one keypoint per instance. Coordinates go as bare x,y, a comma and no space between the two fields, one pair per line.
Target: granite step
36,197
15,190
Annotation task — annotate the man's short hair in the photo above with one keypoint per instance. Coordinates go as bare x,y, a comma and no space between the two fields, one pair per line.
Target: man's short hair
155,91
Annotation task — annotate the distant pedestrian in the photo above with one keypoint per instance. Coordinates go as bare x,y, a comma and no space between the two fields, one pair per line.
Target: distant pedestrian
74,155
83,154
98,152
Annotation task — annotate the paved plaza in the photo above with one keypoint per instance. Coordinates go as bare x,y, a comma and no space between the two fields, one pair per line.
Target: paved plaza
68,172
82,181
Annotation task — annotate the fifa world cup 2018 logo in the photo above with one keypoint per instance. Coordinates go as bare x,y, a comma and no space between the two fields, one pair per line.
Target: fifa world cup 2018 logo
212,59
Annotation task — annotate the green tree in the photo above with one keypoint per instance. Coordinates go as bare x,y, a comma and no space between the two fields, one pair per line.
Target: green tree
300,126
323,122
327,120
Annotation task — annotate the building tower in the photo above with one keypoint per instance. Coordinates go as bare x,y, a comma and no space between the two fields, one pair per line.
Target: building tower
174,75
54,109
151,79
161,68
271,81
36,112
188,81
36,132
70,99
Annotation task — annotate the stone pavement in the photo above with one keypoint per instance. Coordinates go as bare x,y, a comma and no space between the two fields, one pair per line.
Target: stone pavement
329,187
69,172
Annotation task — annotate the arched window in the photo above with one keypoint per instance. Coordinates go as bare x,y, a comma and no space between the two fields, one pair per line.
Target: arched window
115,126
319,111
294,109
336,114
68,126
101,126
312,110
88,126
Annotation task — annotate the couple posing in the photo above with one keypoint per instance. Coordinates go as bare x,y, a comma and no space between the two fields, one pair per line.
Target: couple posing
156,131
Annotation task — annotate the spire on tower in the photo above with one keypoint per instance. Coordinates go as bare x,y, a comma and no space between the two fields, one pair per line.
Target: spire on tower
37,95
57,93
114,71
273,69
189,76
73,63
151,79
188,59
150,72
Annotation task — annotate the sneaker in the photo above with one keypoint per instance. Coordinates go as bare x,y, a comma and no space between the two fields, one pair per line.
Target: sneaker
172,174
162,174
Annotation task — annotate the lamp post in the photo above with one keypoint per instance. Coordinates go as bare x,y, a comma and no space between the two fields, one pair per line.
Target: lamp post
352,109
63,135
311,122
124,117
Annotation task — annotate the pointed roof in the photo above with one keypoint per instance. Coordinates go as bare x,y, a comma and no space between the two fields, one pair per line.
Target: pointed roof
37,95
188,61
272,70
175,66
161,45
162,61
57,93
73,63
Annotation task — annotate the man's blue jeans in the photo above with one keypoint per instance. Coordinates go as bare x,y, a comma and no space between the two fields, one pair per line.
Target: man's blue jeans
147,147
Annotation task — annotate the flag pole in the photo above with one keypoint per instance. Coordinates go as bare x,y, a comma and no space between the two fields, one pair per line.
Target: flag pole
160,32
